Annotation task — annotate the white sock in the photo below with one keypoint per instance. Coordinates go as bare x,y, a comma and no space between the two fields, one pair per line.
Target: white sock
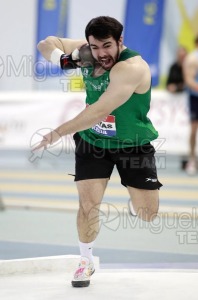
86,250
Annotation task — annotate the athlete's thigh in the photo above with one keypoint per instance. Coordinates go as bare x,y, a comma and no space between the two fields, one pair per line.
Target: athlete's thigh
145,202
91,162
137,167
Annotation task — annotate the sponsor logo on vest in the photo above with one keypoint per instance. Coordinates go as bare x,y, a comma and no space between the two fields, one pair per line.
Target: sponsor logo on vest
97,87
85,72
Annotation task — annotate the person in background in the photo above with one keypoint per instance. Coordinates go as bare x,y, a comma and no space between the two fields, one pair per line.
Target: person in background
191,81
175,81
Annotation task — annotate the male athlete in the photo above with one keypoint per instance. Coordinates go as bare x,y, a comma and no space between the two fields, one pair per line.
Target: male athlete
112,130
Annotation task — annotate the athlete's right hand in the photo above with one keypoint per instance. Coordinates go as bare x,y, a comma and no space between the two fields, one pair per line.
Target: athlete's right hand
48,139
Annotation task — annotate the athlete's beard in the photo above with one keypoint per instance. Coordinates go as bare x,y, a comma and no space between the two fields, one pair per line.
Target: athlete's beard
118,54
114,60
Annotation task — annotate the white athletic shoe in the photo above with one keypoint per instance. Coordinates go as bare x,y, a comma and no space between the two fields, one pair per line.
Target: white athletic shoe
191,167
83,273
131,209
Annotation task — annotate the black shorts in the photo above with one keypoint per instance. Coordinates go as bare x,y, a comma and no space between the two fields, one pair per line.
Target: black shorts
193,107
136,165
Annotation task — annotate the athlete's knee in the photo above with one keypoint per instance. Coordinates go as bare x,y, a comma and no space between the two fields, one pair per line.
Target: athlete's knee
147,214
88,208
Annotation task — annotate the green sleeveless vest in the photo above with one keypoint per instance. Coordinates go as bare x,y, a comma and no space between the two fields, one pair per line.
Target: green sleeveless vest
126,126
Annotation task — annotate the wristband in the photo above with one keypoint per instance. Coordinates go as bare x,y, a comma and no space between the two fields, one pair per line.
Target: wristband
75,54
66,62
55,56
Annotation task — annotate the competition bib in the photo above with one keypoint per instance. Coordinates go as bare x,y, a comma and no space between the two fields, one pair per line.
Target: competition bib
106,127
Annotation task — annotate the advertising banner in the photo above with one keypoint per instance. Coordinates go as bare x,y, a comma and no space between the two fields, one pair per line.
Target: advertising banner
52,20
143,30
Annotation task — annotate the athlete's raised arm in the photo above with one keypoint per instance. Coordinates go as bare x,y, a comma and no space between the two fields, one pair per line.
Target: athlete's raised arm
64,45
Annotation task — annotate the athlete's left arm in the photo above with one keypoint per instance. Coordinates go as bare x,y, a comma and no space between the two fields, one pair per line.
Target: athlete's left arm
125,78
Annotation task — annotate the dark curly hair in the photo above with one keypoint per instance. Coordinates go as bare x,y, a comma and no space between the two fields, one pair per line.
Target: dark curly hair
103,27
